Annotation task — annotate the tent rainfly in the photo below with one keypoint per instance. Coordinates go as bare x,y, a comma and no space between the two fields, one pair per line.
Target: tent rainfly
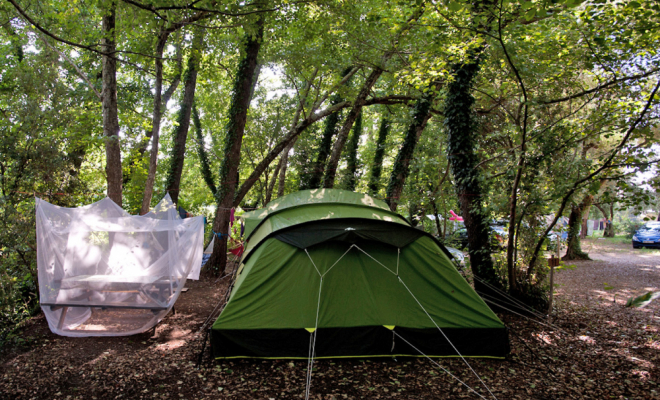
331,273
103,272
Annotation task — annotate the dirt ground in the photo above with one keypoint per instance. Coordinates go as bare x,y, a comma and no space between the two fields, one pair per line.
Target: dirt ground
595,348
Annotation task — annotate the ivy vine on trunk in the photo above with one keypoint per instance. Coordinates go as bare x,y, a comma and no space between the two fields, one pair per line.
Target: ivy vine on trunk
461,136
177,156
401,167
350,179
377,165
244,82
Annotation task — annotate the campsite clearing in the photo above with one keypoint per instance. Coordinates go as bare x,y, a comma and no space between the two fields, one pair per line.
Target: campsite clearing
606,351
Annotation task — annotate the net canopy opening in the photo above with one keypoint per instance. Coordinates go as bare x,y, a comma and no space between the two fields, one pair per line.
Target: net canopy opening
104,272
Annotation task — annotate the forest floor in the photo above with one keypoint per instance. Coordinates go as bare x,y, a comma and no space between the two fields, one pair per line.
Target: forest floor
595,349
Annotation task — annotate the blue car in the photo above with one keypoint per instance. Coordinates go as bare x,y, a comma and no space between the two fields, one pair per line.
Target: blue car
647,236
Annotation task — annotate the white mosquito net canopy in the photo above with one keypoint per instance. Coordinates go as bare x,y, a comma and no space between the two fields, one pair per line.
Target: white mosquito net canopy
104,272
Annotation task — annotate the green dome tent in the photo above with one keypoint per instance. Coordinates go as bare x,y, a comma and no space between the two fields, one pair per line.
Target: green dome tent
331,273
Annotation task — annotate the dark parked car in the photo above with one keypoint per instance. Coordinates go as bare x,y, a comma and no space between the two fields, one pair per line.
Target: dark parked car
647,236
498,236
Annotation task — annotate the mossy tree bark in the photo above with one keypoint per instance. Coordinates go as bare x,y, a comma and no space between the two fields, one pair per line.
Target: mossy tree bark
110,115
356,109
401,167
313,181
243,86
350,179
180,138
573,248
377,165
202,154
461,133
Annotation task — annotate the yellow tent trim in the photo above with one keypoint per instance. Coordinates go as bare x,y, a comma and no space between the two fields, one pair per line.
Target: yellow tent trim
310,330
390,327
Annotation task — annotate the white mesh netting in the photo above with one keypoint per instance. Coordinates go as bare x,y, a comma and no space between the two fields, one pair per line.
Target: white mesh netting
104,272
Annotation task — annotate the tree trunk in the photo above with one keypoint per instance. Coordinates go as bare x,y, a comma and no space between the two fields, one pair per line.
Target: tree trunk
573,249
609,226
333,162
155,125
401,167
437,219
329,131
584,227
180,138
377,165
204,165
110,115
243,86
313,181
350,179
285,162
141,147
271,185
289,139
461,130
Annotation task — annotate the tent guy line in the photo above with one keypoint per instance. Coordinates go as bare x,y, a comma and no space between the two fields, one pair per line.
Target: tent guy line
315,331
438,365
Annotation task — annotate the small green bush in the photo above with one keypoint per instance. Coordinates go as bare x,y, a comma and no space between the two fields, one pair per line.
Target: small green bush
629,227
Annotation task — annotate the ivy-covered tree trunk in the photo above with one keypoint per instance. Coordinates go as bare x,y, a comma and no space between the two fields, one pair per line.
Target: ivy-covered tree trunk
573,248
333,162
350,179
377,165
244,81
110,115
177,157
401,167
461,133
313,181
204,165
338,147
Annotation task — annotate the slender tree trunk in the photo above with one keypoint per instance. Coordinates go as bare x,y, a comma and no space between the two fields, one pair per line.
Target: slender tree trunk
141,147
271,185
461,130
243,86
437,219
313,181
177,157
204,165
285,163
333,162
155,124
573,249
377,165
350,179
609,226
401,168
329,131
110,115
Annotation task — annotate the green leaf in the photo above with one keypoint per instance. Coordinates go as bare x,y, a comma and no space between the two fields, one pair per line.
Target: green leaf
643,300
